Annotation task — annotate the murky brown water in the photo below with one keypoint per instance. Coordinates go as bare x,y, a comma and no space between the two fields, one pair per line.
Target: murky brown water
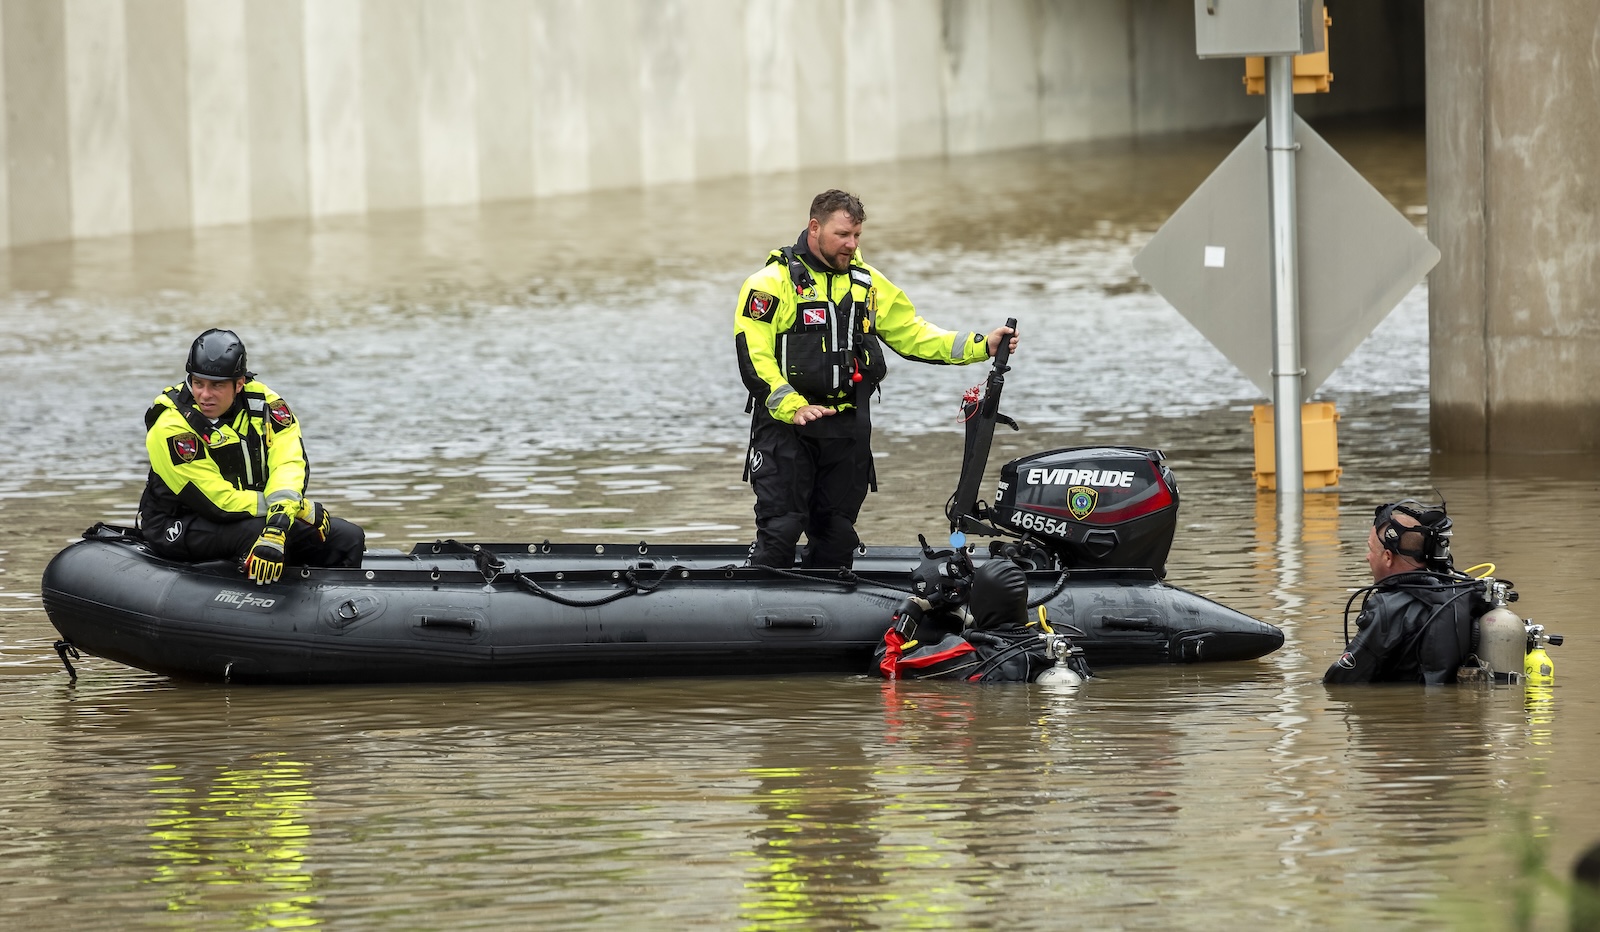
561,369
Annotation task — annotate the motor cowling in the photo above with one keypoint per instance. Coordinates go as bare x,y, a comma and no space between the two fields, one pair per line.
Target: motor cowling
1093,506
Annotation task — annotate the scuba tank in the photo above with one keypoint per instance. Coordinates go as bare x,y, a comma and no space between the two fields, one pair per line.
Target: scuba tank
1502,635
1538,669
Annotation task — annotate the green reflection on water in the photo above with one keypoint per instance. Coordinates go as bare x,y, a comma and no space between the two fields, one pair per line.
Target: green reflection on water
234,844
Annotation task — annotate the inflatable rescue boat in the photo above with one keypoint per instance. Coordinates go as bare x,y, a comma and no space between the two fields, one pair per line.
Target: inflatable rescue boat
1091,526
451,612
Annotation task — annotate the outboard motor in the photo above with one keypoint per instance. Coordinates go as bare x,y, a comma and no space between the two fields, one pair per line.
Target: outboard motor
1093,506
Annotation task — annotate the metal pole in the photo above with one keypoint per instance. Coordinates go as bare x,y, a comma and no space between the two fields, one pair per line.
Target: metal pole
1287,376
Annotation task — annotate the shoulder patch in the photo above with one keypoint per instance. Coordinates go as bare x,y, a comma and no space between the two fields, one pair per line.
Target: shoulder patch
185,448
759,305
280,413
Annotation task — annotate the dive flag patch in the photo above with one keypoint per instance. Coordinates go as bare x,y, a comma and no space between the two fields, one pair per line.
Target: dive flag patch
185,448
816,315
280,413
759,305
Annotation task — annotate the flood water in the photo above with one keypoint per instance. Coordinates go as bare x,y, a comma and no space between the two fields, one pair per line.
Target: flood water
562,369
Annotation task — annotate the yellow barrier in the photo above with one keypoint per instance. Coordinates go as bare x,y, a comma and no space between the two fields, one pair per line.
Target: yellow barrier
1319,445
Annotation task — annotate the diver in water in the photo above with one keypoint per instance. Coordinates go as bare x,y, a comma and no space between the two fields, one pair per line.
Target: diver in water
1415,624
991,642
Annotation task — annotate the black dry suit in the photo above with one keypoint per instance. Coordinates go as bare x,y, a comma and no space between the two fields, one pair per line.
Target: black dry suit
1413,628
998,647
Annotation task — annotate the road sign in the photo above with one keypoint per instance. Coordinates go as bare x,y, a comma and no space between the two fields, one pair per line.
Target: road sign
1358,257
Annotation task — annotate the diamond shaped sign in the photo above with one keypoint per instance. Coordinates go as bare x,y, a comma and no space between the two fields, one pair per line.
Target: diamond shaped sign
1358,257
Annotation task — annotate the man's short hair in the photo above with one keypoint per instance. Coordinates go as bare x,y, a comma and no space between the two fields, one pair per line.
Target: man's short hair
824,205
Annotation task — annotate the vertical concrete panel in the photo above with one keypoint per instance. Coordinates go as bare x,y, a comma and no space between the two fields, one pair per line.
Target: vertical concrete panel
275,80
5,150
218,130
917,38
391,68
560,116
718,59
97,117
1458,360
610,37
1542,199
1012,111
36,80
872,119
821,75
505,100
158,114
1086,82
449,85
335,140
773,80
1172,89
966,56
666,105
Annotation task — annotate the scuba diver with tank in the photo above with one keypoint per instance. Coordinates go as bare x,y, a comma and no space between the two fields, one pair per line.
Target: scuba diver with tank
1422,620
971,622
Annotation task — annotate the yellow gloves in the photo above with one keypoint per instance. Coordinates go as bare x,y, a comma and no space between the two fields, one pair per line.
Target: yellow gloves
264,564
317,516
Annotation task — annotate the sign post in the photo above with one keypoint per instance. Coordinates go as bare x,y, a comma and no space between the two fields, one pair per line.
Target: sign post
1287,374
1315,256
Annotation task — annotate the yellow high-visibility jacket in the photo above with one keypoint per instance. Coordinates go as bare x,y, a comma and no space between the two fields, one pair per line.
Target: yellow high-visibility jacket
802,342
236,469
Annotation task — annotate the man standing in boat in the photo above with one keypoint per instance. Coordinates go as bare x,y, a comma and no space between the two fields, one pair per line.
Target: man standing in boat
807,333
228,473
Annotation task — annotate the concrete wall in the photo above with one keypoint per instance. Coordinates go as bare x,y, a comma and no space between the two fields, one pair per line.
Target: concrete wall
1514,206
125,116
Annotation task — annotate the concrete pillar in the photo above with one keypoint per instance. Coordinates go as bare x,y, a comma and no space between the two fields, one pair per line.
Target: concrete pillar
1514,207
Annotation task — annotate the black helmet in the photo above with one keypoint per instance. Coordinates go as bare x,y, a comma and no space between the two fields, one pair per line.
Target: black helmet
218,354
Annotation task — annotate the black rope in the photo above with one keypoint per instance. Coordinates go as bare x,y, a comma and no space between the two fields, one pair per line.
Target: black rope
842,577
635,587
63,648
1061,584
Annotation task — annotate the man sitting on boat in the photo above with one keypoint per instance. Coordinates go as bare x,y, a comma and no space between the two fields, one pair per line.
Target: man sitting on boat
228,473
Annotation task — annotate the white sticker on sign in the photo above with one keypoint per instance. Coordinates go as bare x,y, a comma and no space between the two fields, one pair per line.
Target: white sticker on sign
1215,256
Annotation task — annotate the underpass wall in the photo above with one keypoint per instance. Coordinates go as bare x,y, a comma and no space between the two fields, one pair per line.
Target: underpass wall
126,116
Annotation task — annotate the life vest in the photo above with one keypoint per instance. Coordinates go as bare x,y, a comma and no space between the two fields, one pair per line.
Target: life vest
831,351
238,445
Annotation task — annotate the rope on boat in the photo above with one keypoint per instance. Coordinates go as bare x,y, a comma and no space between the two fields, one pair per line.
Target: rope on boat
1061,584
842,577
635,587
63,648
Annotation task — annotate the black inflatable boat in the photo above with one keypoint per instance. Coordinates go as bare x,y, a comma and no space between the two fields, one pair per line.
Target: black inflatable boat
448,612
1092,526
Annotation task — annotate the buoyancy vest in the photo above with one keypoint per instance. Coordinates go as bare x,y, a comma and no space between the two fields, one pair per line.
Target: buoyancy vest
831,352
244,463
239,445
